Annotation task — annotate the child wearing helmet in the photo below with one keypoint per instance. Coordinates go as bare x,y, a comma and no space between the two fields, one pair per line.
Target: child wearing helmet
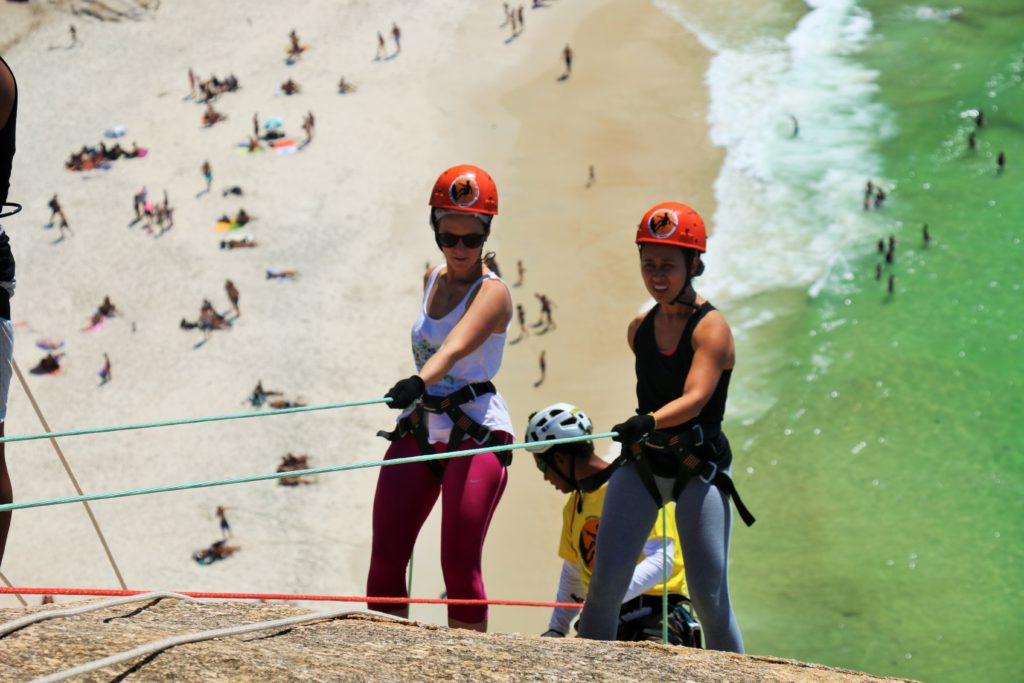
673,448
450,404
575,469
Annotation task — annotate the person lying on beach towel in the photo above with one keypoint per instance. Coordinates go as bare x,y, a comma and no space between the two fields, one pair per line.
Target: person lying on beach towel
212,116
275,274
100,156
291,463
218,550
283,403
48,365
243,243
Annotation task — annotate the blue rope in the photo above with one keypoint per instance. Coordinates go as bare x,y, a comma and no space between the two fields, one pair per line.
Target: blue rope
189,420
292,473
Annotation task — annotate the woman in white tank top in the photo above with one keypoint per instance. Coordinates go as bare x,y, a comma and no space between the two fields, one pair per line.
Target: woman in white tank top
457,340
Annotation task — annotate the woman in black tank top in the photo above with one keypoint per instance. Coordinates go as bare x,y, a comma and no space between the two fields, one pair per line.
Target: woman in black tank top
8,120
684,358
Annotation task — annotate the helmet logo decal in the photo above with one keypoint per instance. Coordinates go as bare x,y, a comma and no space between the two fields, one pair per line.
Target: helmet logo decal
464,190
663,223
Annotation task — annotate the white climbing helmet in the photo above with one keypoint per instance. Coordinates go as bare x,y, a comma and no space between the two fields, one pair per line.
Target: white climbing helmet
557,421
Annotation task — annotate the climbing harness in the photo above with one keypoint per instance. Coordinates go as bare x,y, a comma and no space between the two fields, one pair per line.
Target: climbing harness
415,423
683,456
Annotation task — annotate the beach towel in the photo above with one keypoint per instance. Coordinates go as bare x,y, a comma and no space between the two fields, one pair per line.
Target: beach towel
285,146
50,343
227,226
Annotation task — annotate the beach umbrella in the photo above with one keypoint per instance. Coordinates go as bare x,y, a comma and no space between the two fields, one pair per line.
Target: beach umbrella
273,123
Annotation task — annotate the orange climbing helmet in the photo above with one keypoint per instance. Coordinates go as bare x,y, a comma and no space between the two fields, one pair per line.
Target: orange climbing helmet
672,223
465,188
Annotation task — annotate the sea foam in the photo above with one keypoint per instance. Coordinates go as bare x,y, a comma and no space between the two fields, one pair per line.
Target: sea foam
790,205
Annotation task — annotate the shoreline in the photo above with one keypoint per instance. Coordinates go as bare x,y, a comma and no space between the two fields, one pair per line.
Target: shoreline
577,246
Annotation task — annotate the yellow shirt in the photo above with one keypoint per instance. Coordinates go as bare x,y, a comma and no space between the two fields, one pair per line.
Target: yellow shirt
579,539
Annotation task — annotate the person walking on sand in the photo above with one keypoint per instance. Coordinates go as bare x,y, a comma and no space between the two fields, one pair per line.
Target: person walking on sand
74,35
508,13
307,125
193,83
225,527
207,174
575,469
382,48
543,370
396,33
54,205
458,340
591,176
519,14
521,272
521,316
105,375
567,56
232,292
8,125
256,124
545,313
673,443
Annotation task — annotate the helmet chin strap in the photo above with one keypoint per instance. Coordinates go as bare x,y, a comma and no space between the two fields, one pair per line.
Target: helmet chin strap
686,287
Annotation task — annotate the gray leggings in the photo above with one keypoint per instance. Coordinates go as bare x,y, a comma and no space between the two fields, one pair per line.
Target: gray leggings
704,520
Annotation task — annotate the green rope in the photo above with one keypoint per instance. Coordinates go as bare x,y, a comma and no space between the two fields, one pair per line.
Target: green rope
664,574
292,473
190,420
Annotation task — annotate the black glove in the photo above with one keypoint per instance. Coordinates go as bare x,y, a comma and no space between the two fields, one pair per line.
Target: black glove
405,392
633,429
552,633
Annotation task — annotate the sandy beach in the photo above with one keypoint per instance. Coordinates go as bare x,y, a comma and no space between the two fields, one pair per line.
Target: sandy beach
347,212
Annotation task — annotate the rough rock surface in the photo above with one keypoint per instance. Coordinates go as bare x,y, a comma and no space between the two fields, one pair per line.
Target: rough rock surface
356,647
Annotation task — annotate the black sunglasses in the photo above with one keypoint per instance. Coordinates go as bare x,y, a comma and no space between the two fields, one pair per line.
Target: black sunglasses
472,240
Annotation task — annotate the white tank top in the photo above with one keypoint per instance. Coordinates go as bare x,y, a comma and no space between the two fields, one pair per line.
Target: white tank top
482,365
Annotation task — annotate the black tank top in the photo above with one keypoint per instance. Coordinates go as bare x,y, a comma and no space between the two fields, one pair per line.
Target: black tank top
6,162
660,378
7,144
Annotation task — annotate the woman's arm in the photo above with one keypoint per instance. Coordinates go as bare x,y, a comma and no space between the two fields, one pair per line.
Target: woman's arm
713,353
490,312
650,571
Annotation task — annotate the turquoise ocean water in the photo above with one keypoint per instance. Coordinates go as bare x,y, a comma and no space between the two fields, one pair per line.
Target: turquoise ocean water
878,437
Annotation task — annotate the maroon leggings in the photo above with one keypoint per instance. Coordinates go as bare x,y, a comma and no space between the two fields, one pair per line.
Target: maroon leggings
470,490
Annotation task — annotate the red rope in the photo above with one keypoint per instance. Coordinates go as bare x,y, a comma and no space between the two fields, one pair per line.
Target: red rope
109,592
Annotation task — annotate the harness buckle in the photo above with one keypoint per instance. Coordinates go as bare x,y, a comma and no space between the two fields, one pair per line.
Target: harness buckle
714,473
698,435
